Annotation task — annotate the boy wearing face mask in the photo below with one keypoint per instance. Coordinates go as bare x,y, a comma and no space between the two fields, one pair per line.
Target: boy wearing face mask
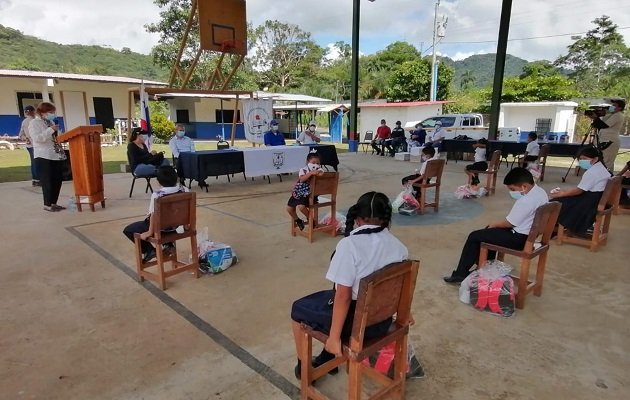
302,190
579,205
274,137
310,135
511,232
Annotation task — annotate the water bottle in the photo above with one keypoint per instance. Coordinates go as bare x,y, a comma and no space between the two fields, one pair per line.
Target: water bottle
72,206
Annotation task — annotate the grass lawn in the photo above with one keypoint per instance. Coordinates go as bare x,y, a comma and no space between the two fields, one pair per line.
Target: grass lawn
15,165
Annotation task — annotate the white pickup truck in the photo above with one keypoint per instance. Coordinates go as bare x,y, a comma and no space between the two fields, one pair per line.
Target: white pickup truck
454,125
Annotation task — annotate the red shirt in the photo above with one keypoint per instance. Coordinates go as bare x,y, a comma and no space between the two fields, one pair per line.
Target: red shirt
383,132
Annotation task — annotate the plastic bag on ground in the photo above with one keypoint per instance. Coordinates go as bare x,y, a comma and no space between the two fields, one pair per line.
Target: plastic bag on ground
383,361
214,257
470,191
534,169
491,289
340,221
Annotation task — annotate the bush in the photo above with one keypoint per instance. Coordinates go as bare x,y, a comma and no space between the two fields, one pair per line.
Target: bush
162,127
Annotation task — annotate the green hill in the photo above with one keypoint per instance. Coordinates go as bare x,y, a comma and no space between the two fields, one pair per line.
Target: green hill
19,51
482,68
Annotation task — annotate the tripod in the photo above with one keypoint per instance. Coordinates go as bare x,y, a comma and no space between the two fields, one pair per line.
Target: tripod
593,140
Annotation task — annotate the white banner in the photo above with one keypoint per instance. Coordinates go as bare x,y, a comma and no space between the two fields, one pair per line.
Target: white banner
257,115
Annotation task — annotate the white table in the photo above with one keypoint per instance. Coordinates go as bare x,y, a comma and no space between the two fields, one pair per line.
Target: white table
272,160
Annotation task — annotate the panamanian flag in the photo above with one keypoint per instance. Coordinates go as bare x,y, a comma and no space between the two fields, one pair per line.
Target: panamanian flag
145,121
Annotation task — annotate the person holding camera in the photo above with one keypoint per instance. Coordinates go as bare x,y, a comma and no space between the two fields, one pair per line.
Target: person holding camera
143,162
613,121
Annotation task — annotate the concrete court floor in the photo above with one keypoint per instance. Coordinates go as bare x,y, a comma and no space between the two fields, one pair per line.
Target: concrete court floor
74,323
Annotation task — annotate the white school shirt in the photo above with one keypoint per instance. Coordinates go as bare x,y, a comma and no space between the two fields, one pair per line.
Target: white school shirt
524,209
163,192
595,178
533,148
480,154
423,167
179,145
303,138
357,256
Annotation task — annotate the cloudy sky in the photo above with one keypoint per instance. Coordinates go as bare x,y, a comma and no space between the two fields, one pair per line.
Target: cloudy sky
119,23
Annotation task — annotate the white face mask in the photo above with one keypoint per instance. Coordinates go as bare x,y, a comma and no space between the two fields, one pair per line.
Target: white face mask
311,128
274,128
313,167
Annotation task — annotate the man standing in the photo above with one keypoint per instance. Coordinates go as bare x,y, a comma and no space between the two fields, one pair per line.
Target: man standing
274,137
614,120
309,136
29,114
382,133
397,139
180,143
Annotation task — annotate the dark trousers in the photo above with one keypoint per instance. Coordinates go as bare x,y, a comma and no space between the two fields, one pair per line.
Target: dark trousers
50,176
500,236
392,145
138,227
623,197
379,146
34,175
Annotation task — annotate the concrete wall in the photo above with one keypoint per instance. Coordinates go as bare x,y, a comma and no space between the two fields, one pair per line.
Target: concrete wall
562,118
370,117
202,115
9,87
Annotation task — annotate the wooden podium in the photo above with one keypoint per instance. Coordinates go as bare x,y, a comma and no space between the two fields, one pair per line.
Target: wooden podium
86,162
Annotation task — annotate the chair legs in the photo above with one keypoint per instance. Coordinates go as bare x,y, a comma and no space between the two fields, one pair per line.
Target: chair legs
146,190
522,284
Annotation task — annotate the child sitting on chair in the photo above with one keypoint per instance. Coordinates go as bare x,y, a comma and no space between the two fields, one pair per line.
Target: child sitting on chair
510,232
480,164
167,178
531,151
624,200
428,153
302,190
367,247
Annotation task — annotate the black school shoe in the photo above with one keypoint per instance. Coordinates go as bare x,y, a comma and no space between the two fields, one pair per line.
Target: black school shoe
321,359
454,279
300,224
148,256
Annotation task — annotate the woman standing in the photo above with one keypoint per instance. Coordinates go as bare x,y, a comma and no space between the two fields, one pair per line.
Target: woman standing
48,153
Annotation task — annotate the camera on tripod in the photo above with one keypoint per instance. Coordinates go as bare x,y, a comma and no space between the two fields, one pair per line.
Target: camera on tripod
596,111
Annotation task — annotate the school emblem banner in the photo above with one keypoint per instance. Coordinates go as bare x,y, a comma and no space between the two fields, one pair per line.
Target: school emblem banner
258,114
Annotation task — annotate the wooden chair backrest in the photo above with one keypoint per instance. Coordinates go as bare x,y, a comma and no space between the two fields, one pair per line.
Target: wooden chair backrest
325,185
382,294
613,186
433,169
493,165
174,210
544,222
544,152
369,135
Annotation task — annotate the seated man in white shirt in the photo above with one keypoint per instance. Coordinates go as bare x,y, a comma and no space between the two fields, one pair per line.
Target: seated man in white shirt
181,143
511,232
310,135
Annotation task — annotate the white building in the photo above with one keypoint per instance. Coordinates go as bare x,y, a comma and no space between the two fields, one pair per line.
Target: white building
370,114
552,120
80,99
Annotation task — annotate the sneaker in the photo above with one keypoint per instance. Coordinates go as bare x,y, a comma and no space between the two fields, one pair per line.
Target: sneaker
148,256
36,183
300,224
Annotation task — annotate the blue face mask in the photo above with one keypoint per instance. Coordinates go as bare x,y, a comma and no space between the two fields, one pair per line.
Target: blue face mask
145,138
180,134
584,164
515,195
51,117
612,109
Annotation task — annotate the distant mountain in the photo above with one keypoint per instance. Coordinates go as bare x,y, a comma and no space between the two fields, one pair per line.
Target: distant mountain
19,51
482,68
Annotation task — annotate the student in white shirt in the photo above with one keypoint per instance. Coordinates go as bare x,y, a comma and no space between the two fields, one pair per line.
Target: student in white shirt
512,231
167,178
579,205
310,135
531,151
367,247
480,164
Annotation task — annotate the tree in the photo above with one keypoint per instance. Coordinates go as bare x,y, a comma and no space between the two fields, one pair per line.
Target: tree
598,59
412,79
538,88
284,55
539,68
467,80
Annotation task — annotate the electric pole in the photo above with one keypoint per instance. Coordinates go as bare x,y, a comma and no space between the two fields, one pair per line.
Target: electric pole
432,94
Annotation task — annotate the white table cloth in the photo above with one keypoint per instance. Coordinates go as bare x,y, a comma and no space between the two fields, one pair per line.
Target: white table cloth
273,160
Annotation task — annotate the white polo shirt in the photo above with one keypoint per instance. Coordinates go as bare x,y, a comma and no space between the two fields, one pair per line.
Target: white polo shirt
595,178
480,154
533,148
357,256
163,192
524,209
303,138
423,167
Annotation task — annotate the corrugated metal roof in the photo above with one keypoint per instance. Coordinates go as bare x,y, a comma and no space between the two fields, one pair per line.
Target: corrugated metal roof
403,104
288,97
541,104
75,77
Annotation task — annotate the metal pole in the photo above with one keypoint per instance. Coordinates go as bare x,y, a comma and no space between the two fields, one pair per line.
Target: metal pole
354,94
432,91
499,67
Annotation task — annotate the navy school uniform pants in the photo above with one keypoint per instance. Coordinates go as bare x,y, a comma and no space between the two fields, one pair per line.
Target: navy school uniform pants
505,237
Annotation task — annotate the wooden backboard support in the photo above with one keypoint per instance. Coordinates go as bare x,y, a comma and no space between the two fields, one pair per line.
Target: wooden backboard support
222,28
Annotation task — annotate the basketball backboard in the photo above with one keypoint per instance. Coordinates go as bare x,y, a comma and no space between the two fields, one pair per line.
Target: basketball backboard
223,26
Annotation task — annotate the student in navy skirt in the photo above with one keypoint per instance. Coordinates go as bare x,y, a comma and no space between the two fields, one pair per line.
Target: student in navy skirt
579,205
367,247
302,190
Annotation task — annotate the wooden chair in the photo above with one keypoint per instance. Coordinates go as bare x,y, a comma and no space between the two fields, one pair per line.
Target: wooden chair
366,143
619,209
491,172
170,212
605,209
382,294
542,160
133,182
434,171
320,185
544,222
